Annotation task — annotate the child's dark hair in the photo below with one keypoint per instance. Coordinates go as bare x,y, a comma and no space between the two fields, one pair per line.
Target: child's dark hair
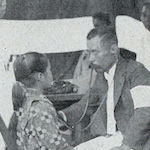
28,64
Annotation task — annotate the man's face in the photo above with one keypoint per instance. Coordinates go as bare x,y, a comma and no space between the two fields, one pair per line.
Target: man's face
101,55
145,16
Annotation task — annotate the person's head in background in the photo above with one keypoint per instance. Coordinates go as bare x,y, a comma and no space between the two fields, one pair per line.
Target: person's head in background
101,21
33,70
104,52
145,15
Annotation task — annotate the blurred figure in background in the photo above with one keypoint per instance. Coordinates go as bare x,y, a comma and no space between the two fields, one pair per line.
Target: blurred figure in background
102,22
145,44
83,75
145,15
3,5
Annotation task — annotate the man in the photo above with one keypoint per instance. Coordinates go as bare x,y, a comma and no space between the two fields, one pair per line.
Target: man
108,96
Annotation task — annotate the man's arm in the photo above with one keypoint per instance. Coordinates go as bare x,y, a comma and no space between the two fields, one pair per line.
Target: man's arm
76,111
138,131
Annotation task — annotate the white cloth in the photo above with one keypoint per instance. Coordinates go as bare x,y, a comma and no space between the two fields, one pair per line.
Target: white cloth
44,36
141,96
102,143
132,35
111,122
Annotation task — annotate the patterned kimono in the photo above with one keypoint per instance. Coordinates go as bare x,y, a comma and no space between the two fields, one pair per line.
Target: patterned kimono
38,127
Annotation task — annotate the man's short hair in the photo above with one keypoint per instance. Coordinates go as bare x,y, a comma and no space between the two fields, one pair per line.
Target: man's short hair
109,39
102,17
109,35
27,64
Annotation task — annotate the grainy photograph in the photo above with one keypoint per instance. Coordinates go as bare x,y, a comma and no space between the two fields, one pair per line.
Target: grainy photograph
75,75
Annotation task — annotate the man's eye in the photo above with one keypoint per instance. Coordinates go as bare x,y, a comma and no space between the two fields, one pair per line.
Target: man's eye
94,51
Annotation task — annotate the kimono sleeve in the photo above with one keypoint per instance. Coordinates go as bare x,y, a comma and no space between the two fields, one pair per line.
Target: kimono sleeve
45,124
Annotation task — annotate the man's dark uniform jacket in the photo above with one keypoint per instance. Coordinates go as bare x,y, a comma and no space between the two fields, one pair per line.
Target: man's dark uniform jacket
128,74
137,135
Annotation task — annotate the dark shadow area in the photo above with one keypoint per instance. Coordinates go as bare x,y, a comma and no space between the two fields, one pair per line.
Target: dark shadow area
58,9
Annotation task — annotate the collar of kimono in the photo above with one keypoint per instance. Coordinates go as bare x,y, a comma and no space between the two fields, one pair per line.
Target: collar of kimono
31,96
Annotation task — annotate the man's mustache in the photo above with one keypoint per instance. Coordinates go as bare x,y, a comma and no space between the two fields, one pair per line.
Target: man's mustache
97,68
93,66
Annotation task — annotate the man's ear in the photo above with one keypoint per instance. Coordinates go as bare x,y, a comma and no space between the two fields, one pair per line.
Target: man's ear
115,49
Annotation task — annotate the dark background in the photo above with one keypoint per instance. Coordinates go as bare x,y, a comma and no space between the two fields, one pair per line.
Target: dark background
52,9
63,64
